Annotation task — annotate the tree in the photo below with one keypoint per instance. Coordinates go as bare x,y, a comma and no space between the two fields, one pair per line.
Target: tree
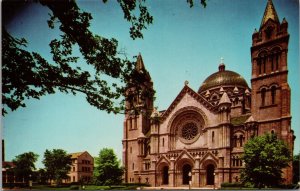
57,164
264,158
28,75
24,165
42,176
296,160
108,170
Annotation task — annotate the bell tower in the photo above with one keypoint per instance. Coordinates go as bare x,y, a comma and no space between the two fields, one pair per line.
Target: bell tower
139,97
270,98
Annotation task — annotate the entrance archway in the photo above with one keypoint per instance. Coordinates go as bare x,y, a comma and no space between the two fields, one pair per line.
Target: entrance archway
165,175
210,178
185,173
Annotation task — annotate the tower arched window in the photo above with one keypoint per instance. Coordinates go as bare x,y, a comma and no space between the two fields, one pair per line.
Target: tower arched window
264,64
236,101
163,142
235,141
241,140
261,62
273,94
263,97
259,66
213,136
277,60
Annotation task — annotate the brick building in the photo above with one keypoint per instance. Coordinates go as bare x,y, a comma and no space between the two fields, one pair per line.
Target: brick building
82,167
201,134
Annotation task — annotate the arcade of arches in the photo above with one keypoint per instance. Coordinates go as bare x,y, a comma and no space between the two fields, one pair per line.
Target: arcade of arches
187,171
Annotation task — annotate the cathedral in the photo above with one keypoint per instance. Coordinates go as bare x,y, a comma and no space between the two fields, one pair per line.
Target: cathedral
199,138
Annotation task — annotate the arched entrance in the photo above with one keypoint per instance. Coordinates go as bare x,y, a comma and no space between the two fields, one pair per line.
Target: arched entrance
210,178
185,173
165,176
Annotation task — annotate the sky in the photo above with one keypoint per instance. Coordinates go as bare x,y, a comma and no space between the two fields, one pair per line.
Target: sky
182,44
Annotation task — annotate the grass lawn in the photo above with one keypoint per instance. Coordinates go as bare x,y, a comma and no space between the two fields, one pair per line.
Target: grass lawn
86,187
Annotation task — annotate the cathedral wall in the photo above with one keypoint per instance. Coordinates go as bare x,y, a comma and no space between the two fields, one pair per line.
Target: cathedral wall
269,110
210,119
187,100
163,143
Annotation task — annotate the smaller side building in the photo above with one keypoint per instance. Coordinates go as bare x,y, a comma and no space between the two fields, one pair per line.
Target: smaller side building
82,167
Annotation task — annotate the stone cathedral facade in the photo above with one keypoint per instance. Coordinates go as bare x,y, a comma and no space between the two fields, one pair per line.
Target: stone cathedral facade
202,133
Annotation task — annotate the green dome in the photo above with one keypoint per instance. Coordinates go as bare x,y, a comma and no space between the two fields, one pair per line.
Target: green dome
223,78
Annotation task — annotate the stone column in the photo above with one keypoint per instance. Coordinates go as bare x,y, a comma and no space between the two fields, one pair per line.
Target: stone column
172,173
196,172
202,177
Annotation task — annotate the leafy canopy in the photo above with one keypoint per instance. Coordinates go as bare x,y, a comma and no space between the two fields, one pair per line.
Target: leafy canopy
264,158
108,170
57,164
296,170
28,75
24,165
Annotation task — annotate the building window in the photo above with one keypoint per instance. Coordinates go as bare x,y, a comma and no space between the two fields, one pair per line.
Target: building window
259,66
135,123
273,94
264,64
73,168
130,149
163,142
241,140
132,166
213,136
263,97
236,101
235,141
189,131
277,61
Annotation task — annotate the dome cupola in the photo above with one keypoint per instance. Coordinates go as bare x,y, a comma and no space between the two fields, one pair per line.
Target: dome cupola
223,78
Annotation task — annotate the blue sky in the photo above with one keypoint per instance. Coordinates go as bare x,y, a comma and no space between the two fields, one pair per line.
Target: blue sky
182,44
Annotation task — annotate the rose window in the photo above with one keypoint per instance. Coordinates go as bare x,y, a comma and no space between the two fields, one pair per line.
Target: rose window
189,131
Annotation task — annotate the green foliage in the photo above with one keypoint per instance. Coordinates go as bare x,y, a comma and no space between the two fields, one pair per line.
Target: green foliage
24,165
57,164
42,176
27,75
108,170
296,164
74,187
264,157
233,184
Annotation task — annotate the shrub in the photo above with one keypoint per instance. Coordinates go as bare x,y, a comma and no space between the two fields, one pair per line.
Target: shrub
232,184
74,187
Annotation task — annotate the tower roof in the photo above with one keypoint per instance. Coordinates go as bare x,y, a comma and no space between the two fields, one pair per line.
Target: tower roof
224,99
139,63
270,13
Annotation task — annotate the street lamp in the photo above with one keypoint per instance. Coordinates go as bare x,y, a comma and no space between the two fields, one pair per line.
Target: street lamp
190,179
214,179
30,182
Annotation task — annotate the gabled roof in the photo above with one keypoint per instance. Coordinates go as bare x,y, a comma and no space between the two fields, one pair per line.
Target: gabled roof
270,13
78,154
187,90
